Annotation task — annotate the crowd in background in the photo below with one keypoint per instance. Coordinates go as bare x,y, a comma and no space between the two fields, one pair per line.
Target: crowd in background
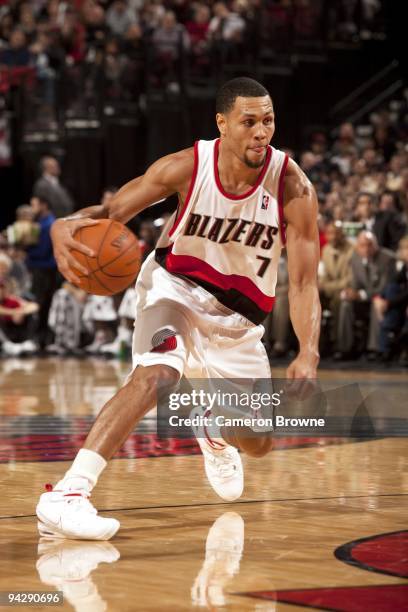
124,46
360,173
361,177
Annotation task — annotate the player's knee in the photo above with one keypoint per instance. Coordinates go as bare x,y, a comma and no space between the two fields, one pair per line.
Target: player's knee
166,377
155,379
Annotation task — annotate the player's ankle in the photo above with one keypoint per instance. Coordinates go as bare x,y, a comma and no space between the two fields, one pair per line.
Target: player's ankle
86,468
74,482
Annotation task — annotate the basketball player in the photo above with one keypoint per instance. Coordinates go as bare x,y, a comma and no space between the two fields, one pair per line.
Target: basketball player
204,292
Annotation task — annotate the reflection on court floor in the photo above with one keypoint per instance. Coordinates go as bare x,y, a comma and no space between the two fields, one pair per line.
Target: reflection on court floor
321,524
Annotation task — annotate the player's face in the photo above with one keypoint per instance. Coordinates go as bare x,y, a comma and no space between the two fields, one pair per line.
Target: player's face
248,129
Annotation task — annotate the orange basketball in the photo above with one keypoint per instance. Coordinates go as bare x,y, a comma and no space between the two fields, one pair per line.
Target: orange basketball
117,260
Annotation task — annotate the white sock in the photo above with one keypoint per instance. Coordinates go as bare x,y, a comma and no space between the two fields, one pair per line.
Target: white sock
88,466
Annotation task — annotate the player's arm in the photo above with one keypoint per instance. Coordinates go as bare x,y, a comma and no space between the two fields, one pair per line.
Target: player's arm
168,175
300,210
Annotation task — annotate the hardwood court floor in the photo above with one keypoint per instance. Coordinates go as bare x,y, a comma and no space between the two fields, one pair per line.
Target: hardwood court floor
282,546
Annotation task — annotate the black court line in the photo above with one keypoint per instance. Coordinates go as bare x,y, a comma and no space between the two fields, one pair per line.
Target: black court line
248,501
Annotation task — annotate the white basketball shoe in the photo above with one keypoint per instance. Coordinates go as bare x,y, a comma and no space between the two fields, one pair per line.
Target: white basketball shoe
223,465
69,514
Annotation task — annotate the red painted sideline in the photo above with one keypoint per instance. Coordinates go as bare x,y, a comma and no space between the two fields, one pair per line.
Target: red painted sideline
382,598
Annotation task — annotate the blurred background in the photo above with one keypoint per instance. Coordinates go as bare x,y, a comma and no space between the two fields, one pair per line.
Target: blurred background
92,92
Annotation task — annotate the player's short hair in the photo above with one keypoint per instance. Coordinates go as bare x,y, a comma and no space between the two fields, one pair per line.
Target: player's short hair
241,86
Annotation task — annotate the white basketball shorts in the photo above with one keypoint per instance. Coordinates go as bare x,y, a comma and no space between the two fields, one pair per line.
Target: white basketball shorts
181,325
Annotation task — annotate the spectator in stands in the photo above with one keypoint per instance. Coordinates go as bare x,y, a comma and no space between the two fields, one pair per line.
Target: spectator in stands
24,231
197,29
41,264
99,317
346,140
226,31
120,17
134,49
114,65
371,269
19,274
392,308
49,188
71,38
44,72
97,29
27,21
168,40
6,28
335,274
394,174
17,54
5,265
65,320
384,141
364,211
225,25
387,223
151,16
312,165
17,321
122,344
388,226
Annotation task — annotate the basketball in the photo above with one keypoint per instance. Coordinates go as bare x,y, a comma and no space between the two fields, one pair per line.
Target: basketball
117,260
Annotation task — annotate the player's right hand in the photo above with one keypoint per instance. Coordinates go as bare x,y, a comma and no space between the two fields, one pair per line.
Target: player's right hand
62,236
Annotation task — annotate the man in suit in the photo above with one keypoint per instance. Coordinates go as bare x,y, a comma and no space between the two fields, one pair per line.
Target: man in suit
48,186
335,273
371,269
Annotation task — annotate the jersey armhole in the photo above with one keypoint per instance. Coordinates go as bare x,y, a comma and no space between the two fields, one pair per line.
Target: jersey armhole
281,188
180,213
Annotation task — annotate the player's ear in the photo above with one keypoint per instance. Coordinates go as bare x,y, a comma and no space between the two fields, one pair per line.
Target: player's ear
221,123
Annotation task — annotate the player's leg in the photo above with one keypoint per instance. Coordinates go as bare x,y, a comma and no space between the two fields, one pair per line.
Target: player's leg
159,355
229,350
237,354
120,415
246,439
66,511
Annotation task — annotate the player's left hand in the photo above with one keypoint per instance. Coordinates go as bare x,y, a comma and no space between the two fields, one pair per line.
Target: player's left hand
302,374
304,366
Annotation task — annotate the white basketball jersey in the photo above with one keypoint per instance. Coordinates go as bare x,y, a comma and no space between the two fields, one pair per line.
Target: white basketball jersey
229,244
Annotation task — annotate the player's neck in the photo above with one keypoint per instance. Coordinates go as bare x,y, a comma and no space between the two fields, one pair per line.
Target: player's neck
235,176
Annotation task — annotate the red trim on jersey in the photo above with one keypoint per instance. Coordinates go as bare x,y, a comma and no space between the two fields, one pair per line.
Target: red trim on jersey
190,190
196,268
258,180
281,187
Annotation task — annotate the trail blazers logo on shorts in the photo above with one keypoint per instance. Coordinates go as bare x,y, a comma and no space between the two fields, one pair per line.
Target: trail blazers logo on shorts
164,340
265,202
